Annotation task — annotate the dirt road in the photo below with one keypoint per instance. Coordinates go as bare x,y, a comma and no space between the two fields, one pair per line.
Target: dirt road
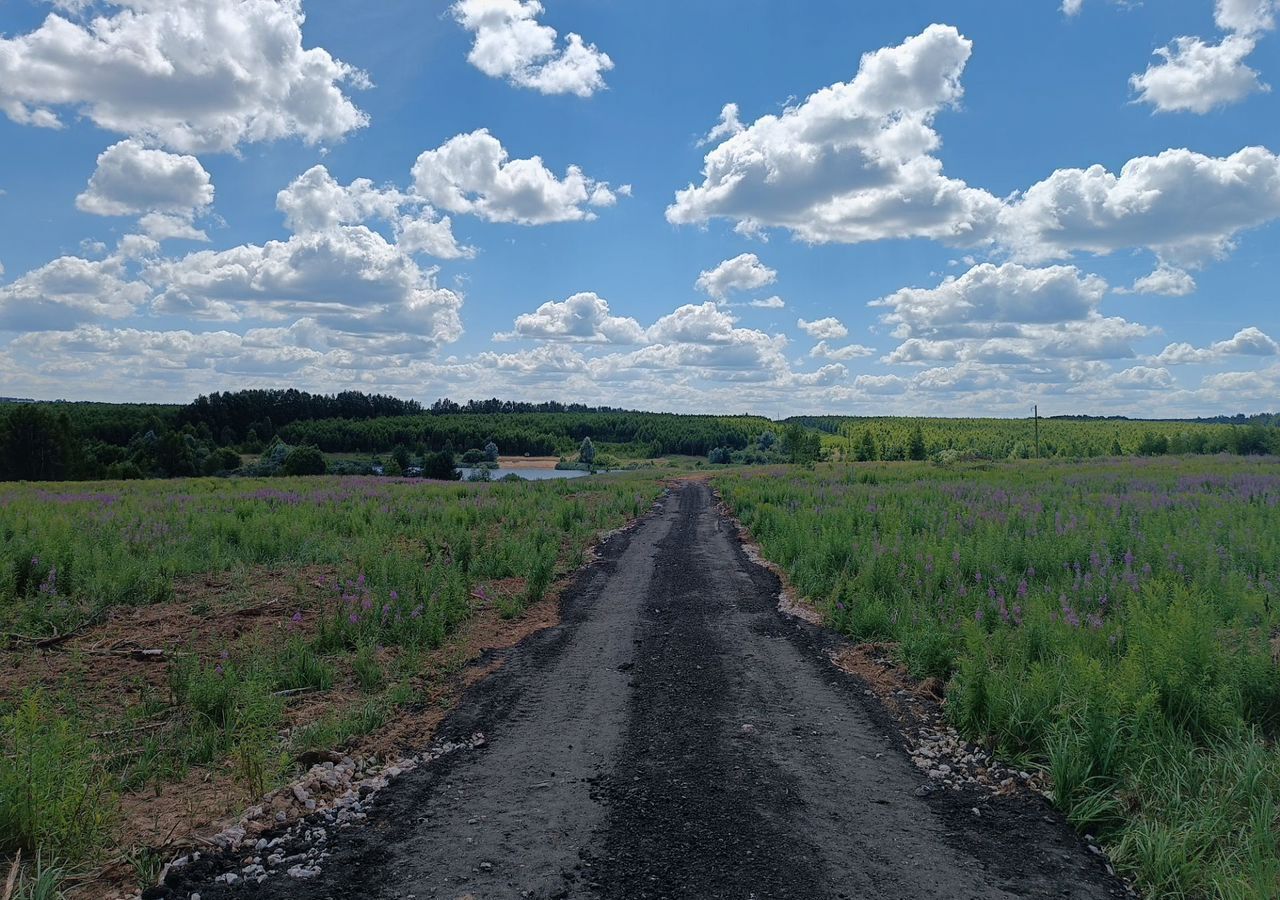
676,736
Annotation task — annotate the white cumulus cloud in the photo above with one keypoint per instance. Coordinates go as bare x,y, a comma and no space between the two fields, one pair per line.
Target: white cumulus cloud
744,272
824,329
131,179
315,201
70,291
1246,16
511,43
584,317
853,161
1185,206
1166,280
823,350
1194,76
472,173
1251,341
348,278
191,75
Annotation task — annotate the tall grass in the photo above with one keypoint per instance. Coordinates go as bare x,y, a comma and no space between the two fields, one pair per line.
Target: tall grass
1108,621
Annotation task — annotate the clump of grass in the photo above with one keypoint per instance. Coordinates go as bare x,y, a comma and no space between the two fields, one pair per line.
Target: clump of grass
299,666
54,796
368,669
42,880
147,864
337,729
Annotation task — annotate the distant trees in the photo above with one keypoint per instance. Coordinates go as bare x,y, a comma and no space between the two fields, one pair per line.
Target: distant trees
1153,444
401,455
37,444
801,445
1255,440
587,451
233,414
224,459
915,447
304,461
99,440
720,456
865,451
439,466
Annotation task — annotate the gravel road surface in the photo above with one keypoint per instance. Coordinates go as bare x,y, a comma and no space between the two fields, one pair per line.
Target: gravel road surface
677,736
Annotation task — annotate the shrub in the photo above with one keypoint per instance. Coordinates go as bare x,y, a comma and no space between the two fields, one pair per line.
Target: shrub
224,459
304,461
439,466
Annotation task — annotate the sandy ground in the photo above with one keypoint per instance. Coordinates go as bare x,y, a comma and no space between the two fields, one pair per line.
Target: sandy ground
528,462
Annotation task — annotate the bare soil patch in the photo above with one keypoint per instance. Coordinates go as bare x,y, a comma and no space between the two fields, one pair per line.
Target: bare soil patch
122,662
528,462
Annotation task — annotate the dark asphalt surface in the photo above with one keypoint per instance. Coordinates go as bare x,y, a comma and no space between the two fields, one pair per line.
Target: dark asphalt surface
676,736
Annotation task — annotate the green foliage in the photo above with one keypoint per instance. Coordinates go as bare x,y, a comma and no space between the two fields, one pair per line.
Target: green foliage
801,445
915,446
36,444
53,795
1153,444
890,438
587,451
440,467
1108,622
41,880
224,459
368,669
304,461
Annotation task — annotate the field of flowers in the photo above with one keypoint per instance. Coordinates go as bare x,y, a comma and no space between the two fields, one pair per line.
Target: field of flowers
1113,622
289,588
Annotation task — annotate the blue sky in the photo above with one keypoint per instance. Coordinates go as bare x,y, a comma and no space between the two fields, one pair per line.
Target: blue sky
955,208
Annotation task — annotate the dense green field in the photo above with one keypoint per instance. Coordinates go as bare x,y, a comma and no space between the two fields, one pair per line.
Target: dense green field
1110,621
890,438
318,584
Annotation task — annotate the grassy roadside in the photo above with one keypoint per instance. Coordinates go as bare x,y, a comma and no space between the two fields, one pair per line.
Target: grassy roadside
195,639
1109,622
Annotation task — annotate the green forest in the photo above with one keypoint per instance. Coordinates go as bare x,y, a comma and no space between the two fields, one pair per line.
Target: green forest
255,432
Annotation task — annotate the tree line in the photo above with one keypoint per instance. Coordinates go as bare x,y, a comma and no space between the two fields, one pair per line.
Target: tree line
894,438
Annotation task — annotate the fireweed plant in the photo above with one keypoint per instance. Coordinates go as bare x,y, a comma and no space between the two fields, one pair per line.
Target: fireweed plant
1111,622
408,561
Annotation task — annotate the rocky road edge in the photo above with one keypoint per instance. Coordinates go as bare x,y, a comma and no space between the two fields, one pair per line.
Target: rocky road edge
287,832
915,708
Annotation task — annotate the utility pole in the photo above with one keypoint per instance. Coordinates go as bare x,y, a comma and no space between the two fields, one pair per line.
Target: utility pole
1035,412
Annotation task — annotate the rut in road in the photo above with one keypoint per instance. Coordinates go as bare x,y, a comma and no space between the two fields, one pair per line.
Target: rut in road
677,736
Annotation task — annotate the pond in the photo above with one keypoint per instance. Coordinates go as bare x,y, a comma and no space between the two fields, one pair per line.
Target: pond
527,474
